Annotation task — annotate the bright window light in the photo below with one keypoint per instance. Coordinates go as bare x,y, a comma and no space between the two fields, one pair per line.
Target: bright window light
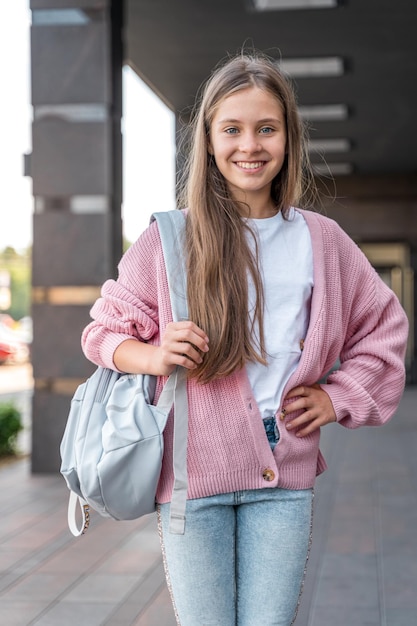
324,112
279,5
307,68
55,17
80,112
329,145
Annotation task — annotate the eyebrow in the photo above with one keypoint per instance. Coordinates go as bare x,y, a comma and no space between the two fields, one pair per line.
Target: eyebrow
267,120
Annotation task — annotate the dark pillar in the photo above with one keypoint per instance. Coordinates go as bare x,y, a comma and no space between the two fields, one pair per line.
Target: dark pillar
76,168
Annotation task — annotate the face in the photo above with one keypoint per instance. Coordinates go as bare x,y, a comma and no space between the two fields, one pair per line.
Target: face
248,141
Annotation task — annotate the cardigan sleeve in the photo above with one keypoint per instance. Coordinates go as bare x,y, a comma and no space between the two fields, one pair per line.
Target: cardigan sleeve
367,387
128,307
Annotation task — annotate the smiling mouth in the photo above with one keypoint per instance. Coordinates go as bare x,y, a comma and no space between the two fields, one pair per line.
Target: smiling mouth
250,165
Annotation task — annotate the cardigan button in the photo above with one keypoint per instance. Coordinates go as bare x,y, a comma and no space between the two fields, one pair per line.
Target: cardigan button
268,474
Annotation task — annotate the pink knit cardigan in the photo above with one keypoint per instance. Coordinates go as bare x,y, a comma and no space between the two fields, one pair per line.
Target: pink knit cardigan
354,318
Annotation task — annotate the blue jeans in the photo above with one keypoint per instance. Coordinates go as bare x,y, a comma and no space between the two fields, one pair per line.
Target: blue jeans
242,559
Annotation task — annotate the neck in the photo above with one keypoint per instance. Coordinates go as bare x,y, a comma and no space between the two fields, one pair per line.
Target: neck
263,213
259,208
262,210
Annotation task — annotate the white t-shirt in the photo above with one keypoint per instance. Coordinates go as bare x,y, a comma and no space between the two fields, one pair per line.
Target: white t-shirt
286,262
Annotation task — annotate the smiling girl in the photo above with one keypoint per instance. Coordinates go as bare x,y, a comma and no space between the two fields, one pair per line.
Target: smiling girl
276,296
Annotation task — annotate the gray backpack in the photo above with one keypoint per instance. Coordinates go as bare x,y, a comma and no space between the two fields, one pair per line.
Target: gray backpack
113,445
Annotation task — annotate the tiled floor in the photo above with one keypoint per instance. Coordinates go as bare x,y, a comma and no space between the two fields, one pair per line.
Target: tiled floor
362,569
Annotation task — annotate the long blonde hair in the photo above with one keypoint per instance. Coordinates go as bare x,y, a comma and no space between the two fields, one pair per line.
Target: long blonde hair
219,257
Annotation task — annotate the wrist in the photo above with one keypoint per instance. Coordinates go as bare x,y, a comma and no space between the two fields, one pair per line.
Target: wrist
136,357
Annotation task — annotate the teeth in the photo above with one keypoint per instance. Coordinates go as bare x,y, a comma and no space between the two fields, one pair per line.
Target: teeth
250,166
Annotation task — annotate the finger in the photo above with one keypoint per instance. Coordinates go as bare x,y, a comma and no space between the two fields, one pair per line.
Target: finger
300,420
297,391
182,353
314,425
187,332
184,361
190,326
309,429
189,351
303,390
305,427
310,421
307,398
298,405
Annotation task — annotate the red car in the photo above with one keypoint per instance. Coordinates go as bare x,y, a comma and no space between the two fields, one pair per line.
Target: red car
12,348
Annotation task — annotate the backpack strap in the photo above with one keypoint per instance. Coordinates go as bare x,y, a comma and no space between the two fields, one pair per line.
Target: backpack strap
171,225
74,500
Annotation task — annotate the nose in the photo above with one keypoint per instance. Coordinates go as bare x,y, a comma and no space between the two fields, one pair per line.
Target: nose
250,143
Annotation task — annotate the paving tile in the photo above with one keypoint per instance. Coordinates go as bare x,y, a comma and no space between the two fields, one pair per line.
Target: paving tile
70,614
400,581
353,616
125,561
401,617
42,587
348,581
362,569
344,538
39,533
159,612
20,613
9,558
101,588
144,595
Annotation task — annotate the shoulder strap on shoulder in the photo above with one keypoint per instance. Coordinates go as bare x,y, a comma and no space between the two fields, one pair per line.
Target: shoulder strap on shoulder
171,225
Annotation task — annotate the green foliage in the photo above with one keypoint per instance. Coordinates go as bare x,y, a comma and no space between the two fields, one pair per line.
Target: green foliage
20,287
126,244
19,267
10,426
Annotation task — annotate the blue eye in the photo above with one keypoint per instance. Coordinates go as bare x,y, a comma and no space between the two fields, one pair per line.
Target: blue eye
231,131
266,130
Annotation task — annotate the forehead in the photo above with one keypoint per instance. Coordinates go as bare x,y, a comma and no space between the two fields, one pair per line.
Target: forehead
251,101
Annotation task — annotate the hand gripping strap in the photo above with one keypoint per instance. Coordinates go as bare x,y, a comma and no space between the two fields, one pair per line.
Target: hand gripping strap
171,230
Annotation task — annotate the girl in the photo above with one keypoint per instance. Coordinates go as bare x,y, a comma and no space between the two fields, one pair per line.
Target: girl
276,296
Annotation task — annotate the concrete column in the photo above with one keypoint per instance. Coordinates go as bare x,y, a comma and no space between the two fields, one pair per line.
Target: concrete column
76,166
